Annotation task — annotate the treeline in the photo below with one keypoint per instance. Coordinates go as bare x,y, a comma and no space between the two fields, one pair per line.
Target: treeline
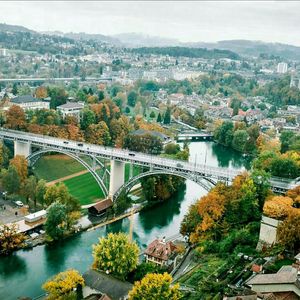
187,52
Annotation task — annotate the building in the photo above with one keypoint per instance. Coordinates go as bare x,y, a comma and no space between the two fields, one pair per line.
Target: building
268,231
3,52
282,68
105,285
71,109
285,284
28,102
100,207
161,252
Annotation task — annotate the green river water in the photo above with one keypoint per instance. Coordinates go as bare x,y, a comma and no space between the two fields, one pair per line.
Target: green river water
23,272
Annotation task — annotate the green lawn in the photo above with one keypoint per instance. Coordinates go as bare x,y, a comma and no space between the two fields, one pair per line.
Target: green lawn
52,167
85,188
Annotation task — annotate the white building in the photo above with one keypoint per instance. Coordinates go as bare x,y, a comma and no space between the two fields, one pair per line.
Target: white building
71,109
3,52
28,102
282,68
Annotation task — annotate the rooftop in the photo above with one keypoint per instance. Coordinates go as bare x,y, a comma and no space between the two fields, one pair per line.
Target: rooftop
25,99
160,249
114,288
69,105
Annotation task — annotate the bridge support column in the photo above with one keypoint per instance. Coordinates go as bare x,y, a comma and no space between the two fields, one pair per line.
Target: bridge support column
130,171
117,176
21,148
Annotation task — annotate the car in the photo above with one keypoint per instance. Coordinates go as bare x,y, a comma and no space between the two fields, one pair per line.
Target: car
19,203
66,142
80,144
179,165
131,154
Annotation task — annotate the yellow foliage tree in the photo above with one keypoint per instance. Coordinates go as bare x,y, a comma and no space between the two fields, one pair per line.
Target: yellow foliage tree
155,287
278,207
62,284
21,165
41,92
10,239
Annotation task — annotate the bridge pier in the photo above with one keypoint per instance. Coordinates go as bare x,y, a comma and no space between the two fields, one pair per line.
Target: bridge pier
117,176
21,148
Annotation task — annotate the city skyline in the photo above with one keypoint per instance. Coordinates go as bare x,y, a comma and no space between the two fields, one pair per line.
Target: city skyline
268,21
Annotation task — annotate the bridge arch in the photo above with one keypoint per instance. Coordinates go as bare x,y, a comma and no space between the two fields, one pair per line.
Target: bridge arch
37,154
205,182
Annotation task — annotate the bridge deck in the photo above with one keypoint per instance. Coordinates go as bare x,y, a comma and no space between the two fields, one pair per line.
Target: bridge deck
181,167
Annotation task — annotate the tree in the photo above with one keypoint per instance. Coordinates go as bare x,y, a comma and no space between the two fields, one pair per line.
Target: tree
21,165
40,191
131,98
145,268
152,114
278,207
285,139
284,167
172,148
167,116
239,141
55,225
10,238
159,118
98,134
63,284
116,255
10,180
4,155
29,188
224,133
289,231
155,286
41,92
15,118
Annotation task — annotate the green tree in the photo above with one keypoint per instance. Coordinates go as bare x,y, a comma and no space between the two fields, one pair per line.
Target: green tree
224,133
159,118
172,148
155,286
132,98
4,155
152,114
167,116
55,225
284,167
240,138
87,118
98,134
285,139
40,191
29,188
11,180
116,255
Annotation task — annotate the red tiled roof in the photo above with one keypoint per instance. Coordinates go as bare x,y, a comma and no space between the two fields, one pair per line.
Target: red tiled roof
160,249
104,204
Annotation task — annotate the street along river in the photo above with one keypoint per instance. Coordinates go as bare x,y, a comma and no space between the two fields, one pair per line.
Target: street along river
23,272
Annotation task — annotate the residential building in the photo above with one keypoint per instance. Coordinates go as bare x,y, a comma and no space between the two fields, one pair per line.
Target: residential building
28,102
282,68
161,252
3,52
71,109
285,284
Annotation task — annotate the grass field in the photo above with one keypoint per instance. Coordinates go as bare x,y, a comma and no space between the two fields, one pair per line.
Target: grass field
52,167
85,188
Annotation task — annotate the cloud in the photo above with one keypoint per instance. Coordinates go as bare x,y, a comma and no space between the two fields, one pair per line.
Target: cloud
188,21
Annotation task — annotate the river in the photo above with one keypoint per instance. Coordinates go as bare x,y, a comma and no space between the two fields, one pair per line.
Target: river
23,273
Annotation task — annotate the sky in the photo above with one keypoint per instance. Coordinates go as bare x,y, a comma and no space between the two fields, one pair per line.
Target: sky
188,21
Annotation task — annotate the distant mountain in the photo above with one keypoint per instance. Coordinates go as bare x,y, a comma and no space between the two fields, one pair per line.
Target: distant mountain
253,48
142,40
14,28
85,37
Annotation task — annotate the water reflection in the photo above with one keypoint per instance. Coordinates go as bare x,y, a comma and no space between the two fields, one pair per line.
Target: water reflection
10,264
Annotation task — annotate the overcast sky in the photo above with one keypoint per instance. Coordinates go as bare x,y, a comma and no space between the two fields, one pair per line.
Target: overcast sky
272,21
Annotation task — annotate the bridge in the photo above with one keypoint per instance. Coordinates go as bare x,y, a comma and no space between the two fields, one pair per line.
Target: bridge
206,176
194,136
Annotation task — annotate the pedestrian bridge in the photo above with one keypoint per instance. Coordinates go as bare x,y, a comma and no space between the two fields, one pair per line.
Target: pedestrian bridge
32,146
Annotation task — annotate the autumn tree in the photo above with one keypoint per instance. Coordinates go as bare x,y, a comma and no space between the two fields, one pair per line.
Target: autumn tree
98,134
4,155
10,238
15,118
29,188
40,191
119,129
21,165
63,285
278,207
289,231
116,255
41,92
155,286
